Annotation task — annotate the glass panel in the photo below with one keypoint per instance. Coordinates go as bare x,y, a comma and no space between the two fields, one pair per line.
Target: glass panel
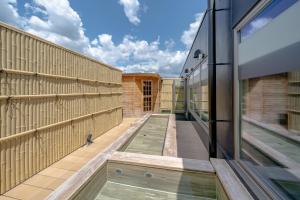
272,10
179,95
270,128
204,92
197,91
191,92
270,114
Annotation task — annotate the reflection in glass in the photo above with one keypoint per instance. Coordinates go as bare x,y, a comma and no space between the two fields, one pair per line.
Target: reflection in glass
191,92
198,89
179,95
272,10
270,130
204,92
197,94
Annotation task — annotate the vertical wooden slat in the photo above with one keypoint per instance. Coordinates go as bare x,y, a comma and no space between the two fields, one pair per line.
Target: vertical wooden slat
2,168
7,165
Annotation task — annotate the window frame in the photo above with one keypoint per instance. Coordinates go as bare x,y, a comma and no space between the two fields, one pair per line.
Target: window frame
203,124
147,95
241,167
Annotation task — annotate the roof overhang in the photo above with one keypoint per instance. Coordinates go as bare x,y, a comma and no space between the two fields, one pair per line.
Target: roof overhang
154,75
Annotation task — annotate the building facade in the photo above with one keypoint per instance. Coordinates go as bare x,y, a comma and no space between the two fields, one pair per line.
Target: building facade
242,85
140,93
148,92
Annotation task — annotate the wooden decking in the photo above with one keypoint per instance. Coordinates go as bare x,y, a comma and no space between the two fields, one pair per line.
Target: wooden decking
42,184
151,137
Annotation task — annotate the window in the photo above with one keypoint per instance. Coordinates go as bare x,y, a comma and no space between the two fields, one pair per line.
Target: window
269,99
198,89
191,92
270,130
147,95
204,92
272,10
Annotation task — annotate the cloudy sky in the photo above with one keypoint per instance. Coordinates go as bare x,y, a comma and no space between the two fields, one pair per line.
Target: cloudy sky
133,35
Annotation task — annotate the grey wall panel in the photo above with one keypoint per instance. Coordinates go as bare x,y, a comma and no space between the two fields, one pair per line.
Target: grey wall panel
276,45
225,139
224,92
223,37
240,9
222,4
277,34
272,63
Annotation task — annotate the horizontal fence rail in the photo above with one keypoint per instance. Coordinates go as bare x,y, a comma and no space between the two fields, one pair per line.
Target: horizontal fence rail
51,99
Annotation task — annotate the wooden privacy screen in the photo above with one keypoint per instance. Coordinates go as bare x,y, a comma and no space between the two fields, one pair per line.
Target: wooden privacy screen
50,99
172,95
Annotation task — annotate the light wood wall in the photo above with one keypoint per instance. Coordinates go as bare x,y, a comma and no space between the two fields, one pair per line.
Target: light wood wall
51,98
294,101
266,98
132,97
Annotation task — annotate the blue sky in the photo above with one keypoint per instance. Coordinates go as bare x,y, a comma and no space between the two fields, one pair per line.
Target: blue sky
134,35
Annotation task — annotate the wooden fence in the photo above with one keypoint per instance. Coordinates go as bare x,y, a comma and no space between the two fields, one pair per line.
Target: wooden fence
51,99
172,95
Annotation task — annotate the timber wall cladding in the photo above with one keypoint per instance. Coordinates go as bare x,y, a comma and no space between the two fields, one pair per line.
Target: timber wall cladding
50,99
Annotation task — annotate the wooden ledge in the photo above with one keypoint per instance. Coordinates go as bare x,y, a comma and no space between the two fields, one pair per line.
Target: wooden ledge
162,162
272,153
230,182
170,148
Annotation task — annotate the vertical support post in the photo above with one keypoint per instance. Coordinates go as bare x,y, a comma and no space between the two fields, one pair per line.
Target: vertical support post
212,79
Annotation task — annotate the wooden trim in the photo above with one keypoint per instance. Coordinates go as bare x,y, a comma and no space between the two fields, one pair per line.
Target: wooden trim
170,147
142,75
56,95
4,139
147,96
162,162
11,71
230,182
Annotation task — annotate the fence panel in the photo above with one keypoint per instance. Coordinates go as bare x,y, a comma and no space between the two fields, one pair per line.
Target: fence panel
51,98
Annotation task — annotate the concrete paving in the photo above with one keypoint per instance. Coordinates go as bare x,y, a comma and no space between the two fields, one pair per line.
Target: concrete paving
189,143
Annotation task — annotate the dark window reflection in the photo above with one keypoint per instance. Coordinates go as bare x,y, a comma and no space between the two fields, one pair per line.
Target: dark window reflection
272,10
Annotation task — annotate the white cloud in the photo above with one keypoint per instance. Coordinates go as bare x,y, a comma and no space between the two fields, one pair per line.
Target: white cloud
61,25
131,9
56,21
9,13
35,10
258,24
145,56
188,35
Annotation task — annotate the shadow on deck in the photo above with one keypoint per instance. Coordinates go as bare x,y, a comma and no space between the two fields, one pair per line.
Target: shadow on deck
191,140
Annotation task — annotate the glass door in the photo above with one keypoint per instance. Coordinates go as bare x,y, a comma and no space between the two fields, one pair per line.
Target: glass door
147,95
